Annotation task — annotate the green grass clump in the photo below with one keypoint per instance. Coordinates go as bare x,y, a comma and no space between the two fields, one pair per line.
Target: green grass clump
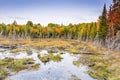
5,62
48,57
76,63
44,58
56,58
16,65
21,64
3,74
101,71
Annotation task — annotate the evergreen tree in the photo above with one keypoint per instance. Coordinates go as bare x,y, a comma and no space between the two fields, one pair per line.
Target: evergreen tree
102,32
29,24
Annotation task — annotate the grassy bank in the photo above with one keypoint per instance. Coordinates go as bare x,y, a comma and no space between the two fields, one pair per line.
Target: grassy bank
103,67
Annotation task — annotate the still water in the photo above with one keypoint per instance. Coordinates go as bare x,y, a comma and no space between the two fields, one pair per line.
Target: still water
63,70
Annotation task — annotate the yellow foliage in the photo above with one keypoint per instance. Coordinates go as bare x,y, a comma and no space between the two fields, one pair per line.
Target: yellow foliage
17,28
34,30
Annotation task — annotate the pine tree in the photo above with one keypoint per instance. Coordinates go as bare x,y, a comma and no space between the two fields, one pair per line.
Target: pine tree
103,29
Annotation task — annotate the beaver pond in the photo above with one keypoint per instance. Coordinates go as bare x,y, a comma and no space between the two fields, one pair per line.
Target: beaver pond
56,59
60,66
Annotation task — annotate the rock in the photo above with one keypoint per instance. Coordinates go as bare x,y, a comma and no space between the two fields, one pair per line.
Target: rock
62,53
91,65
53,51
8,46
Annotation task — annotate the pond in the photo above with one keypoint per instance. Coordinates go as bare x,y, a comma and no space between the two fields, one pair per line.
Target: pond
51,70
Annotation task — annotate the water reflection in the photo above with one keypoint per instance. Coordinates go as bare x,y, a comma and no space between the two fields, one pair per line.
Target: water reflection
63,70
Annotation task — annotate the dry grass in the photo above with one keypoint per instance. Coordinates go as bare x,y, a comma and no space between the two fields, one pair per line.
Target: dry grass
49,42
36,42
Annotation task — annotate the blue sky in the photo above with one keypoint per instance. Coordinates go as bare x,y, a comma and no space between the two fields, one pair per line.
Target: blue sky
51,11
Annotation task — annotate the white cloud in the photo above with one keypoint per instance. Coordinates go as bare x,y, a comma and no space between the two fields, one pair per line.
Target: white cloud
52,15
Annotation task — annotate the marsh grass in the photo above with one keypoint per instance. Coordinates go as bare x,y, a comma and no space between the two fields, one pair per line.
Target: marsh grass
101,67
50,57
55,58
73,51
44,58
16,65
17,50
22,64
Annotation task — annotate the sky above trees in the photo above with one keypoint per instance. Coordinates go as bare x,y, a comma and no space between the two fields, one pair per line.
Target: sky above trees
51,11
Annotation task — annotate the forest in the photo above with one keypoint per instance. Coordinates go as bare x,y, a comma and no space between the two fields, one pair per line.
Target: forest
107,27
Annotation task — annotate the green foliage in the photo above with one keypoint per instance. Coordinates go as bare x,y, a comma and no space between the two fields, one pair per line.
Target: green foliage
92,31
29,24
103,29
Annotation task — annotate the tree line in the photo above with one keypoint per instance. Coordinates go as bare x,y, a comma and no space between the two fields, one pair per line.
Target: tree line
84,31
107,25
